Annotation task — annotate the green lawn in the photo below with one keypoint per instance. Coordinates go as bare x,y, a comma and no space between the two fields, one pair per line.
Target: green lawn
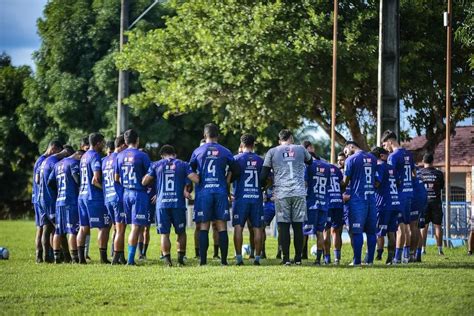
440,285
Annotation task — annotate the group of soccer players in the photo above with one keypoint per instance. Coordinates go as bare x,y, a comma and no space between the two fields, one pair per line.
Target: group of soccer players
377,193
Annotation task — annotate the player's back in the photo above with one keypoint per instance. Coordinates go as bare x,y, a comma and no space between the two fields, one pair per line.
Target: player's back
247,187
211,161
334,190
46,194
404,166
132,165
361,168
36,170
68,189
387,193
420,194
288,166
171,179
318,177
434,182
113,191
90,162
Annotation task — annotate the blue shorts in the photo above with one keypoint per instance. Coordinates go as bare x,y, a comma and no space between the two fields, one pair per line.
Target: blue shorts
93,213
387,221
212,207
167,216
67,220
135,203
405,209
118,214
316,221
245,210
268,212
48,210
39,215
421,219
362,217
335,218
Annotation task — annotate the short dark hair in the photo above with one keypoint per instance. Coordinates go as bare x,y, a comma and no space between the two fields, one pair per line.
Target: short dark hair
428,158
95,138
211,130
285,134
351,142
167,150
378,151
119,141
341,154
130,136
55,143
80,152
247,139
388,134
69,150
110,144
306,144
85,141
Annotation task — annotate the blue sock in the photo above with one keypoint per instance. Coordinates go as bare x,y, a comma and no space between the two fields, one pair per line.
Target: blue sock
131,254
398,254
418,253
203,245
327,258
238,258
257,258
319,253
224,245
371,243
337,254
357,243
406,252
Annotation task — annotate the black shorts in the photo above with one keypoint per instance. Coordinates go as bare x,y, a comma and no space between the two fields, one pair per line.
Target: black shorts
434,213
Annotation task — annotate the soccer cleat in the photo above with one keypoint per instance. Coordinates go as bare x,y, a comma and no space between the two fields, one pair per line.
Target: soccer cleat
142,258
241,263
396,262
368,264
216,257
317,263
263,255
39,260
379,257
418,259
106,261
88,258
337,262
286,263
469,253
298,263
440,253
405,260
256,263
352,264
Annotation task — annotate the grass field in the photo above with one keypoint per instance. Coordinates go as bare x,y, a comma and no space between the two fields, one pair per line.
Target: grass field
438,286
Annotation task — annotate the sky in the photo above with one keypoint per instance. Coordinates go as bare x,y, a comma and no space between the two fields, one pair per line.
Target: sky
18,36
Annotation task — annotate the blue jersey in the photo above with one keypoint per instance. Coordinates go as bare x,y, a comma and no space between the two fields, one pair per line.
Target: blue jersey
247,187
318,177
171,176
420,194
360,168
113,191
334,190
90,163
63,173
132,165
386,195
404,165
45,193
36,170
211,162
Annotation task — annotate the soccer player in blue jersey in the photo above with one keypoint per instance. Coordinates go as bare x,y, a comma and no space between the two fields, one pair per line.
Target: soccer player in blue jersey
92,211
113,198
47,201
360,178
248,200
420,202
404,166
54,147
132,165
318,178
85,147
387,204
65,179
335,219
172,186
211,161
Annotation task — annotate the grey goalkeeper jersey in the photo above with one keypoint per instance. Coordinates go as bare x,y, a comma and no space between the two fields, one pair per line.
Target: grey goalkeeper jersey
287,162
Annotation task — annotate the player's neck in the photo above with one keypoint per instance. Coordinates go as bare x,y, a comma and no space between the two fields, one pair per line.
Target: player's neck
247,150
286,143
134,146
427,166
211,140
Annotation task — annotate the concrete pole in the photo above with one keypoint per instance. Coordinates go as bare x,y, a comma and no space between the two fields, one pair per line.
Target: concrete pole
122,109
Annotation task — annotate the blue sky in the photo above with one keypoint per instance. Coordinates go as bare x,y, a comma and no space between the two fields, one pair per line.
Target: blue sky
18,37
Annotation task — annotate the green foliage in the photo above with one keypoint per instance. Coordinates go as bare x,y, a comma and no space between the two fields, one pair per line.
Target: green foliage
271,289
16,151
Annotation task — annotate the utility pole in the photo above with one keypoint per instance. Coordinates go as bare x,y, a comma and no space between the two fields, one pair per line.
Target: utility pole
122,109
334,83
447,159
388,104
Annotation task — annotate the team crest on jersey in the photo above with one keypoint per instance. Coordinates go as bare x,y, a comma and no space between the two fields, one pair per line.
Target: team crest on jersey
367,160
214,153
170,167
390,172
109,164
128,159
321,169
407,158
289,154
333,170
252,163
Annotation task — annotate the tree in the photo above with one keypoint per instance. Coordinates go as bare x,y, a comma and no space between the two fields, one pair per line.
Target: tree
255,64
16,151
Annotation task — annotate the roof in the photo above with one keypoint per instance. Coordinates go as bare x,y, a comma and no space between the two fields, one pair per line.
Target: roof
462,147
